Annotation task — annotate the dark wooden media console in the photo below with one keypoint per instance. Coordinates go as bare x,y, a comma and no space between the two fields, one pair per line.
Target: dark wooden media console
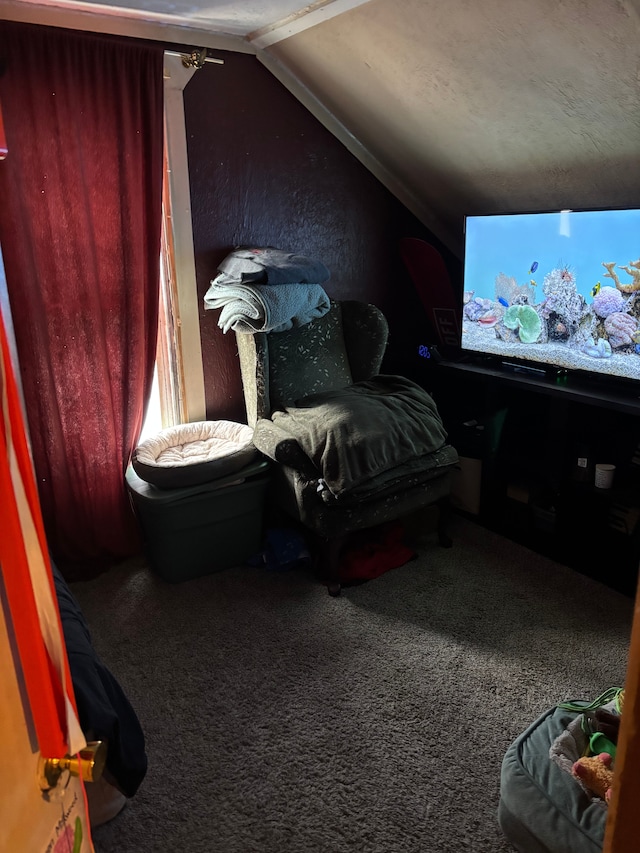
533,440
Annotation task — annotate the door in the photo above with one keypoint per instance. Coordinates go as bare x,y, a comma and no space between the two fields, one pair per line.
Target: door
42,804
30,820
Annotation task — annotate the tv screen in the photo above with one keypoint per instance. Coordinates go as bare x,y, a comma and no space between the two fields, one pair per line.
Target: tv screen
560,289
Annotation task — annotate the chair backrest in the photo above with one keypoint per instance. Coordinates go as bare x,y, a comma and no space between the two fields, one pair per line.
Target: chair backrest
346,345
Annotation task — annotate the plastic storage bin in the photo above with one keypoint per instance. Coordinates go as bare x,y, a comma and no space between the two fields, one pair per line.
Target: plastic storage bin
202,529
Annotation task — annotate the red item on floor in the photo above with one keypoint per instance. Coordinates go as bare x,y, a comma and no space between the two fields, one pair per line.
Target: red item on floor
373,552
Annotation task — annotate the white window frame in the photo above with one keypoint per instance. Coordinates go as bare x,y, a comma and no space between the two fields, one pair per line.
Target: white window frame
179,362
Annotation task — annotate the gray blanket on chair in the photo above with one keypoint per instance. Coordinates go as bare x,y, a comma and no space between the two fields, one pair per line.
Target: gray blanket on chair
272,266
267,290
356,433
250,308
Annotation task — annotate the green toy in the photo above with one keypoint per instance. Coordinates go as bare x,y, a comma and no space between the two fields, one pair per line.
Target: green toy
600,743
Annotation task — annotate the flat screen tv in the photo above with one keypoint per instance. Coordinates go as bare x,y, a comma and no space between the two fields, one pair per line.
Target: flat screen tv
555,290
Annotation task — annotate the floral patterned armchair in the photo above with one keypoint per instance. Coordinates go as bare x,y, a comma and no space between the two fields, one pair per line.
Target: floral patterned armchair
354,448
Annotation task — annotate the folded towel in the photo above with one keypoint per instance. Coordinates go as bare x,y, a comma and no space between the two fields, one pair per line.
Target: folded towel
272,266
250,308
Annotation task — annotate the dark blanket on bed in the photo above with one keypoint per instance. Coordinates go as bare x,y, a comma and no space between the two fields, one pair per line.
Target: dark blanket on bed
104,711
355,433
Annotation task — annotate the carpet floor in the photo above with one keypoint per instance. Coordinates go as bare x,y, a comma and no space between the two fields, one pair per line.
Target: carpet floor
281,720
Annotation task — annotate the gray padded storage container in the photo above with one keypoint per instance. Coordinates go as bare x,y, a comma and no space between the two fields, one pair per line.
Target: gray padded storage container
201,529
542,808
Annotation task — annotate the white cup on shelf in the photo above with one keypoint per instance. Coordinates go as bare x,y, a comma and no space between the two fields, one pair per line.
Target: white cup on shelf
604,475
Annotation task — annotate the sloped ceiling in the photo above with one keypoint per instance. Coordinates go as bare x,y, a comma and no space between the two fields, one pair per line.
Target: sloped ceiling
492,106
459,107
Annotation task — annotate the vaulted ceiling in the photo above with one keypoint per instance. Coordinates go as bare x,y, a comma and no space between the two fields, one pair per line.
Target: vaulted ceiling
458,107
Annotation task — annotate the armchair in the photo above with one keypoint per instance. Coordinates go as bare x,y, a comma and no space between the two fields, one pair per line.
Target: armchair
354,448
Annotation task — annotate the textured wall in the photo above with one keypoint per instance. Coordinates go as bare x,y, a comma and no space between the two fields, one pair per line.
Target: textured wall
263,171
501,105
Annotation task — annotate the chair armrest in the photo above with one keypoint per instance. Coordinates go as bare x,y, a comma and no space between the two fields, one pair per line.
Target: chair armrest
279,446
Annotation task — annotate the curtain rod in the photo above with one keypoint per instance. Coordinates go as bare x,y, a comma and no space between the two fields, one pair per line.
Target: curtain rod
195,59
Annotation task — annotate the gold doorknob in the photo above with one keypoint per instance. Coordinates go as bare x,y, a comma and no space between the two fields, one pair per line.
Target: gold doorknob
88,763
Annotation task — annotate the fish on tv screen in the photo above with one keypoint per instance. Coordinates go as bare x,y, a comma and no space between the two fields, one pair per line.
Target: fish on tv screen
561,289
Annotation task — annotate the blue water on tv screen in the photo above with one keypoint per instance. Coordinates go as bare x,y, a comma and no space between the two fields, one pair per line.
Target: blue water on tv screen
561,289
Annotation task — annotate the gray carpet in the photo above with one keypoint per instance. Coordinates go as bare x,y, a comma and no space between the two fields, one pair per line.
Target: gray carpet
281,720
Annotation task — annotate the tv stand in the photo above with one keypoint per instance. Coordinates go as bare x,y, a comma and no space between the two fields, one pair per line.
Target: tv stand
556,382
526,370
535,439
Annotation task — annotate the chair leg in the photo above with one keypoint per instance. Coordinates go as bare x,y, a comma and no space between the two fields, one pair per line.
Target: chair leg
330,562
444,515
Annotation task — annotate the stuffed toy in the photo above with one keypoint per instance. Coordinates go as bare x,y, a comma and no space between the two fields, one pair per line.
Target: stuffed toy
596,773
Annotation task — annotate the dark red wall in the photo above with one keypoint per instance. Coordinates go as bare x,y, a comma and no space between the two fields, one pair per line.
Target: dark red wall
264,171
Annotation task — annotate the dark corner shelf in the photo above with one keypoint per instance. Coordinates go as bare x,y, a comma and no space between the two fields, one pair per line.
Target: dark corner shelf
528,432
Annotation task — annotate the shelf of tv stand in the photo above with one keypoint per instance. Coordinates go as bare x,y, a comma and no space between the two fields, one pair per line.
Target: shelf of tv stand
565,387
532,425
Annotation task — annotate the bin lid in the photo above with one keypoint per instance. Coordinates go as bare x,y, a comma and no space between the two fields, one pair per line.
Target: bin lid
142,490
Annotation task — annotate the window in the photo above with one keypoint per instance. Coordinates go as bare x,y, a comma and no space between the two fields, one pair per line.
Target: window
178,388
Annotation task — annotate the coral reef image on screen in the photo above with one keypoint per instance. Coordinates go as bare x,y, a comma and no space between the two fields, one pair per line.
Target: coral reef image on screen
562,289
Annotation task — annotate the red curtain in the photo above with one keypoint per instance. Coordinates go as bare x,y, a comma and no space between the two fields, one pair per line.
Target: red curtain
80,220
